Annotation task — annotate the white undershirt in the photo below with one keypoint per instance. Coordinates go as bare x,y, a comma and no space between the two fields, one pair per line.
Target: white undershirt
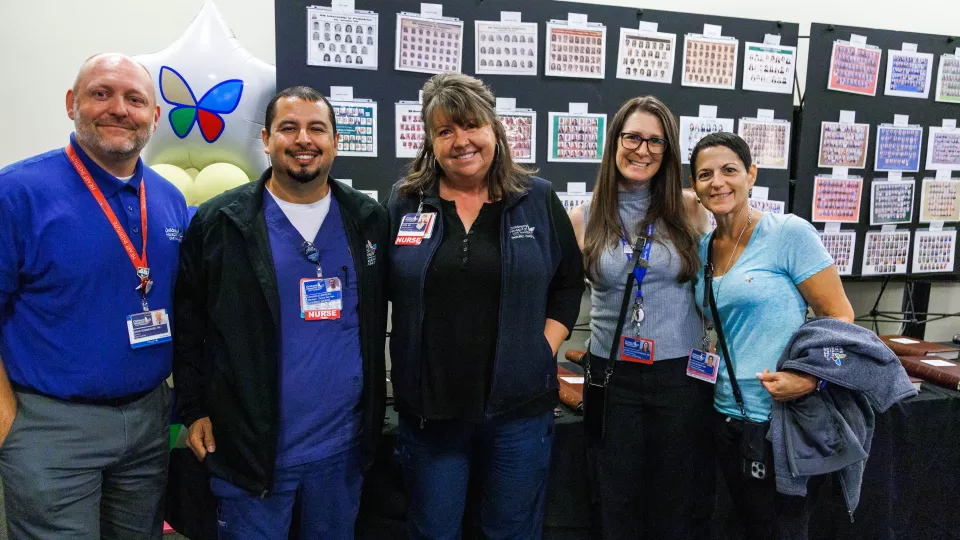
306,218
125,179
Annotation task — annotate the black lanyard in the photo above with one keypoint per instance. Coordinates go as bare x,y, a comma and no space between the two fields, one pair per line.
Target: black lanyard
708,299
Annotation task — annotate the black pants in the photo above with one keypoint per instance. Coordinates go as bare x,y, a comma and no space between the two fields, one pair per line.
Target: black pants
758,510
653,475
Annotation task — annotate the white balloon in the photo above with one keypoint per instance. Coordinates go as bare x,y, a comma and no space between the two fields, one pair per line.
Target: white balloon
204,80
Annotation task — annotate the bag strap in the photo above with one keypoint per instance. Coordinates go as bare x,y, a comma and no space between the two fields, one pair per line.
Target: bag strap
638,261
727,358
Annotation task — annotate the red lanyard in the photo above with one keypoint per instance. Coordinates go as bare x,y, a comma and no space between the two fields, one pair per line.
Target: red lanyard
139,261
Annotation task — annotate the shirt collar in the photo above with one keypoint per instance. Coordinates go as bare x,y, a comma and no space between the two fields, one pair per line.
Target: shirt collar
109,184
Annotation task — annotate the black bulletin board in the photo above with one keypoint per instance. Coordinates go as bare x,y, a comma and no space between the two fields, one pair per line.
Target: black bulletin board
820,104
543,94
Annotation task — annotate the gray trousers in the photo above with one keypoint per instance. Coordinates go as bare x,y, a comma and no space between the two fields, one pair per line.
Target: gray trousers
75,471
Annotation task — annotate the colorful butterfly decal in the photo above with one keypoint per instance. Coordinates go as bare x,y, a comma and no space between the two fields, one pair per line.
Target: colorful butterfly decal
219,100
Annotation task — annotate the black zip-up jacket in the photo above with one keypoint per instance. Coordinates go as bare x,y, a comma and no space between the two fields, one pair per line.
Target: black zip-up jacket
227,327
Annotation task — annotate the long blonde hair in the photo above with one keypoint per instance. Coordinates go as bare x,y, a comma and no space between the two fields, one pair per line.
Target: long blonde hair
464,99
666,195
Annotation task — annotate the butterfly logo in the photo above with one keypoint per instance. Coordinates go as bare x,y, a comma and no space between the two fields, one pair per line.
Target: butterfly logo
220,100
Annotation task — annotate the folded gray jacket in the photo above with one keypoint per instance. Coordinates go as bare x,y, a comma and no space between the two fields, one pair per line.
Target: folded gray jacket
831,430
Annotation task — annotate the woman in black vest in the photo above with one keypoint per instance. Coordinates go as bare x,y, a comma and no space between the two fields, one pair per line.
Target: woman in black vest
486,282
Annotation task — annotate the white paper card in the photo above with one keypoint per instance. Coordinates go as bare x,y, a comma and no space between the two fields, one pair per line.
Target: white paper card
934,363
420,97
343,6
576,187
347,181
904,341
832,227
509,16
901,119
848,117
894,176
956,52
943,174
341,93
506,104
649,26
765,114
760,193
578,108
771,39
840,172
889,228
708,111
572,380
936,226
434,11
712,30
577,19
909,47
950,123
858,40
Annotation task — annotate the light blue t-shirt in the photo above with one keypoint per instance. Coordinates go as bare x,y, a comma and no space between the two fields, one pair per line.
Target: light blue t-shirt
760,305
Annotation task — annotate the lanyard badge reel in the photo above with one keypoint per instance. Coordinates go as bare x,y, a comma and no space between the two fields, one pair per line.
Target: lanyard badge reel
633,347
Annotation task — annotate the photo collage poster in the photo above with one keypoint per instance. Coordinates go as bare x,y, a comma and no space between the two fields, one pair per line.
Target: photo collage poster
505,48
843,145
769,68
357,126
573,200
710,62
409,129
574,51
764,205
943,149
576,137
521,130
908,74
427,45
885,253
343,40
934,251
694,128
898,148
891,201
939,200
836,199
854,68
948,79
646,56
769,141
840,245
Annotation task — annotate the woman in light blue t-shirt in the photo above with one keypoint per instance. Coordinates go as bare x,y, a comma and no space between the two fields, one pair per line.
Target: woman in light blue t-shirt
767,268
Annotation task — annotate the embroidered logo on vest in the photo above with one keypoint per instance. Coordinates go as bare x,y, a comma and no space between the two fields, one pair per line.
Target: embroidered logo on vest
521,231
835,354
371,254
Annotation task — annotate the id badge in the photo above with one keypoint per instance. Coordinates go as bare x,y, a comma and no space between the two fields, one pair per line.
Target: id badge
415,228
703,365
148,328
321,299
636,349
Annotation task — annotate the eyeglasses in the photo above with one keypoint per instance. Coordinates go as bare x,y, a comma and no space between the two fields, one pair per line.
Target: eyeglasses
632,141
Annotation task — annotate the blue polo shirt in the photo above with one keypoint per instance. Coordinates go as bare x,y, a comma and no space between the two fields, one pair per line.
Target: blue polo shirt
321,373
67,285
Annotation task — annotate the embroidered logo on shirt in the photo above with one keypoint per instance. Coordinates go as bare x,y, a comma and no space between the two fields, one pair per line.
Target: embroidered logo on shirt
371,254
521,231
174,234
835,354
749,279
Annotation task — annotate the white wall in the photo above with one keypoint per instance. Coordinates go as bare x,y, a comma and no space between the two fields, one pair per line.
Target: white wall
43,42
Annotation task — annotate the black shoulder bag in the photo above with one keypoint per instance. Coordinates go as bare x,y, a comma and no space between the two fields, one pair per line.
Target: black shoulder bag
594,393
753,440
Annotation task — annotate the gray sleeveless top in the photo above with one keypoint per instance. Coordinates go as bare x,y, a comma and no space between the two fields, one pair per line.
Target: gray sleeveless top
671,318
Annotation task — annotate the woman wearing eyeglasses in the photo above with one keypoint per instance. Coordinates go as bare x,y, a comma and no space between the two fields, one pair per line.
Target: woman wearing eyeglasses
647,421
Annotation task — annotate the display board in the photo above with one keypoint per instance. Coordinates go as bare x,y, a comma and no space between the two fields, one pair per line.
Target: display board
894,112
388,85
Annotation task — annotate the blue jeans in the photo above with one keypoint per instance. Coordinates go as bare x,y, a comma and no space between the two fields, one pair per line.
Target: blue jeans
329,491
512,460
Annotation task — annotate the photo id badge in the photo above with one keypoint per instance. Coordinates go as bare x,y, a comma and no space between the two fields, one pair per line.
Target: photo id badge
320,298
148,328
415,228
703,365
635,349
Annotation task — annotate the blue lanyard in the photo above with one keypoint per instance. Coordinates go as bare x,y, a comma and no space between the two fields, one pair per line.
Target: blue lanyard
639,270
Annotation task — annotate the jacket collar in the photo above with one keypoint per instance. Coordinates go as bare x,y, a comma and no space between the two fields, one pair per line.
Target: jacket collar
431,195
